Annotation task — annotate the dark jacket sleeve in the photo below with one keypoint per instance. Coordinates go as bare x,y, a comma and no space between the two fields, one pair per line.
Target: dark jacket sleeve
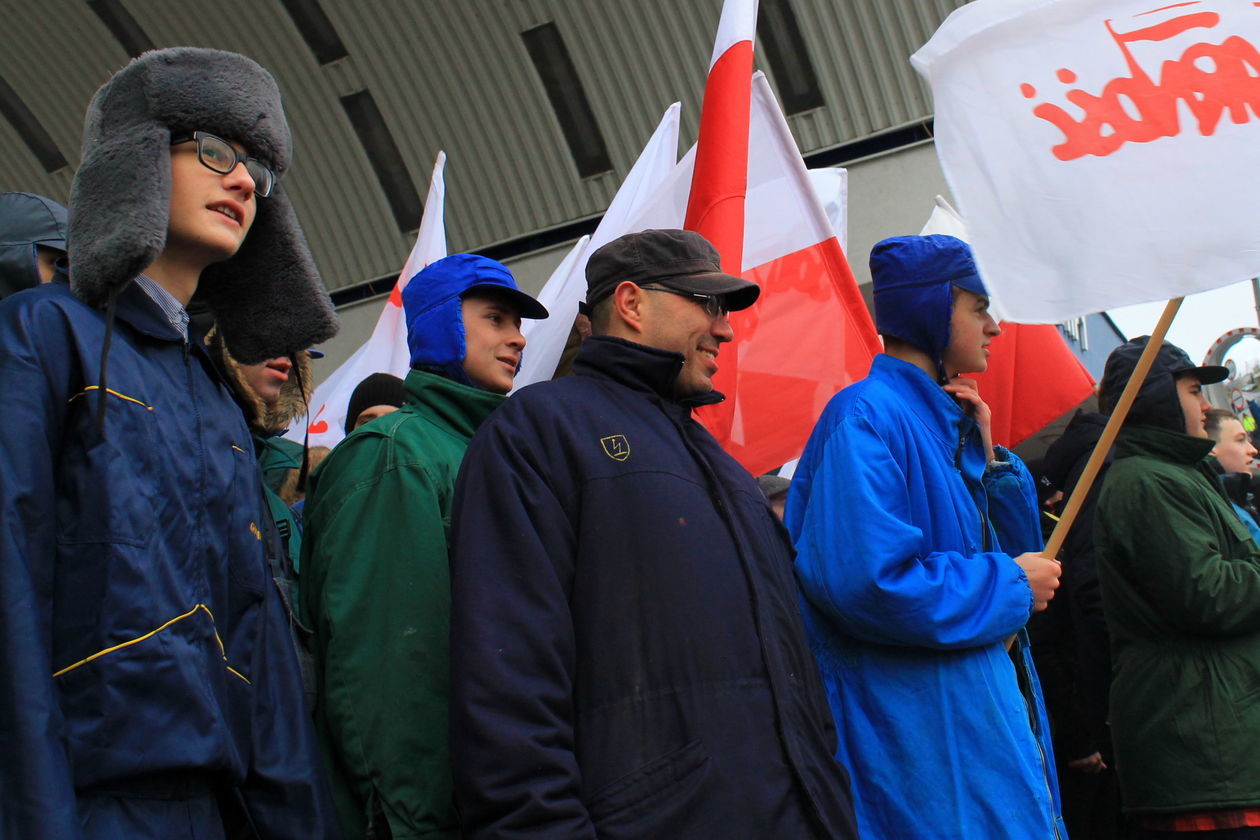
285,791
1084,602
1012,497
512,640
37,798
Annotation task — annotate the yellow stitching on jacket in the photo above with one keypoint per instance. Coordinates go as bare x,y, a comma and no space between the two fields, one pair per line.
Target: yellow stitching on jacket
214,623
238,673
111,392
237,448
120,646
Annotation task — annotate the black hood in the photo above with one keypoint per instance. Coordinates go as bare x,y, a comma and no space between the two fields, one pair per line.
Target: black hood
1076,442
27,220
1157,403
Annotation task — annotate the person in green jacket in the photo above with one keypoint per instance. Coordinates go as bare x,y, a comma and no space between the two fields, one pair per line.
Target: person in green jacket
375,580
1180,581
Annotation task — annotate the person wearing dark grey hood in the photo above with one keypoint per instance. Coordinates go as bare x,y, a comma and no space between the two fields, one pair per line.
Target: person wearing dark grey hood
151,688
32,239
1180,580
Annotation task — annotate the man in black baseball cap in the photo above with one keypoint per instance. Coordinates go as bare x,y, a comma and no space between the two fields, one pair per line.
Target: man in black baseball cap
685,312
595,524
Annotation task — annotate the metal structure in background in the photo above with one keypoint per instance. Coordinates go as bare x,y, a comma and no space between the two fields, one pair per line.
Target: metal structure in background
373,90
1241,387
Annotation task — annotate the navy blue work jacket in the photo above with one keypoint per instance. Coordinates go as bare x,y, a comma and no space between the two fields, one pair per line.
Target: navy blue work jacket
628,657
143,641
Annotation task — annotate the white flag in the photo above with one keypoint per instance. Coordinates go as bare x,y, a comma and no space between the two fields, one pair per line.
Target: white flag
1103,152
567,285
385,351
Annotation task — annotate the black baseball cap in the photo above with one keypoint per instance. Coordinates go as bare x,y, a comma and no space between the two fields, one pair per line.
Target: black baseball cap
676,259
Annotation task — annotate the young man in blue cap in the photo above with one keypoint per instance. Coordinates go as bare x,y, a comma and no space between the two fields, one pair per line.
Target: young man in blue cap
917,541
375,584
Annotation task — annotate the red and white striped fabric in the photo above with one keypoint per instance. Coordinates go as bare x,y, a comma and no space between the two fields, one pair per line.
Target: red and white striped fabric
385,351
809,334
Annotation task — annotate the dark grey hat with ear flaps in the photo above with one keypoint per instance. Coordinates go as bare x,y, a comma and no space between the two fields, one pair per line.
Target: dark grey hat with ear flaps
268,299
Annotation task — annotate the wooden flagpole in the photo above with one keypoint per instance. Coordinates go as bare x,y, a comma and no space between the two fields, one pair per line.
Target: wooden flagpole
1099,455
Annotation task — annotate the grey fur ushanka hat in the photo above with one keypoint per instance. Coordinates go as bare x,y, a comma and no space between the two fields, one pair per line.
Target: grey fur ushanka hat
268,299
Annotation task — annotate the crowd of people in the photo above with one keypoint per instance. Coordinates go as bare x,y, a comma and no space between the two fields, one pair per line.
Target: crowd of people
569,613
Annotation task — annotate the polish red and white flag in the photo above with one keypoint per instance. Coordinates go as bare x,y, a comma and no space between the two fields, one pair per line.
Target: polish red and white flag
385,351
744,186
809,334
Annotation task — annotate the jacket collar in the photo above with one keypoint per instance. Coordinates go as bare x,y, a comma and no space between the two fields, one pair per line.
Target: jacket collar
461,407
637,366
934,406
141,312
136,309
1177,447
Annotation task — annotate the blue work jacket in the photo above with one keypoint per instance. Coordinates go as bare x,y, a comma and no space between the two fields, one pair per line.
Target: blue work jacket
902,537
145,646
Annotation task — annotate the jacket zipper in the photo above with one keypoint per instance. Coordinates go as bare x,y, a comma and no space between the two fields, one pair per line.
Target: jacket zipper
1024,668
1028,706
985,541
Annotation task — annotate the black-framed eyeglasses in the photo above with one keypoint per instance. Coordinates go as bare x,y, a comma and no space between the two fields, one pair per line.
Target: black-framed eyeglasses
713,305
218,155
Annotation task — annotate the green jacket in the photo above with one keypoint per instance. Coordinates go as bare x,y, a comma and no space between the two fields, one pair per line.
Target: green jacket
375,588
276,456
1180,581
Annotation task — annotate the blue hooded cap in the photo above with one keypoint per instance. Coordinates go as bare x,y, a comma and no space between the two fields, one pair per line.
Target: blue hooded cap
432,306
912,278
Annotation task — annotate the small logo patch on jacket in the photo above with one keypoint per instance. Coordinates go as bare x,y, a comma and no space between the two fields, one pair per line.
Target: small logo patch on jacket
616,447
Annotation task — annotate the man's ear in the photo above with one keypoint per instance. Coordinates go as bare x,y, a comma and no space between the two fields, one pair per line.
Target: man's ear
628,305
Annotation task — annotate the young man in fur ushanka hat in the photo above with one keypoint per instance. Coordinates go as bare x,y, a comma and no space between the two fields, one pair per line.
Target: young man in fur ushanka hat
151,689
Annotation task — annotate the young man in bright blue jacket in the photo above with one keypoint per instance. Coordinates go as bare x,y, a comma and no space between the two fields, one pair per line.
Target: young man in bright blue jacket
916,547
151,688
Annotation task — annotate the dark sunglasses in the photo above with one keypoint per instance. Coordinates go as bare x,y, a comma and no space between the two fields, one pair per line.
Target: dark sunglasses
713,305
218,155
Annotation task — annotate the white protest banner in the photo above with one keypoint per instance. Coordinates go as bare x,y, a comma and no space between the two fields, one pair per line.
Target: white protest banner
1103,152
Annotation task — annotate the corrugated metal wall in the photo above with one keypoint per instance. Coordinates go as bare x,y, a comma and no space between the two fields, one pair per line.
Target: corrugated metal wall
454,75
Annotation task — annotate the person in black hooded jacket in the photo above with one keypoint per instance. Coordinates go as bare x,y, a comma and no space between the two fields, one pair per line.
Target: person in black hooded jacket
1180,580
32,239
1070,647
